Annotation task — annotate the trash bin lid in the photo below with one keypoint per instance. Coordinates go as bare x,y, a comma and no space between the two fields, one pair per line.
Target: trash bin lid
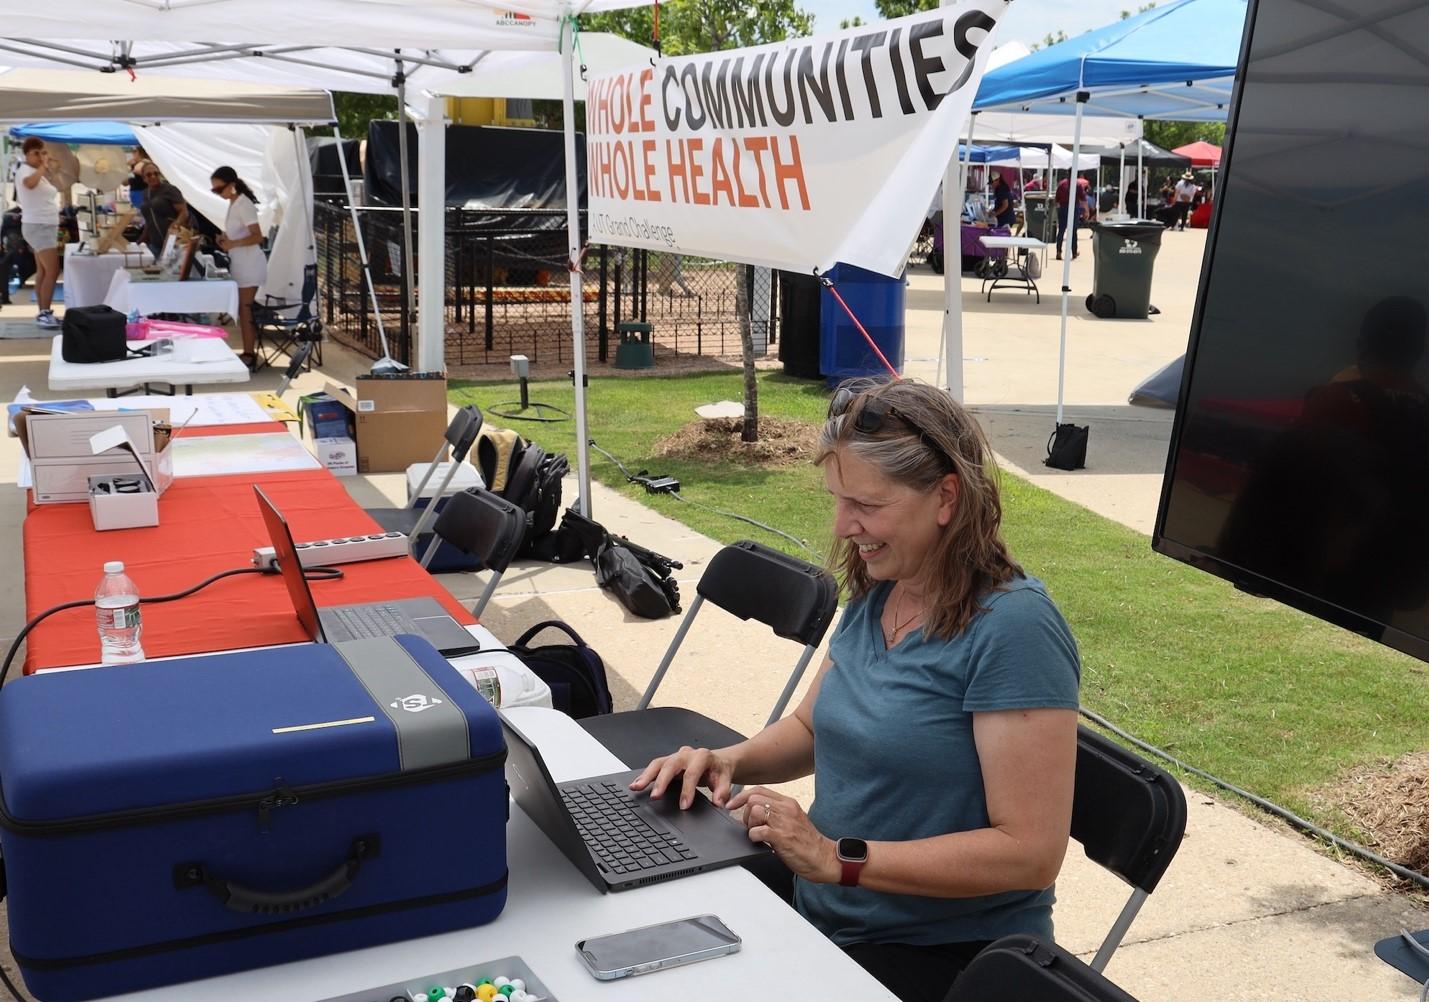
1132,229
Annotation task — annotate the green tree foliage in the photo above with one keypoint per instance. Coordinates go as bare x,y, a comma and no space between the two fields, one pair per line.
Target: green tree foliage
354,111
902,8
1126,15
1170,135
1049,40
851,22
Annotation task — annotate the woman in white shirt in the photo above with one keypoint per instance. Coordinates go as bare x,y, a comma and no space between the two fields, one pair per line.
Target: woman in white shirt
240,239
39,225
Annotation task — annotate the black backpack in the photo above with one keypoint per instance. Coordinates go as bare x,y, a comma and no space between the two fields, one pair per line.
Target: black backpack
574,671
534,486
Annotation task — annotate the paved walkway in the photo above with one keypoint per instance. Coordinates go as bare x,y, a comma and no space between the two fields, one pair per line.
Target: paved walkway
1246,912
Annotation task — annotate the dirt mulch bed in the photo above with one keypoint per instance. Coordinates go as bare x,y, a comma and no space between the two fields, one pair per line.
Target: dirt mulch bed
1389,801
781,442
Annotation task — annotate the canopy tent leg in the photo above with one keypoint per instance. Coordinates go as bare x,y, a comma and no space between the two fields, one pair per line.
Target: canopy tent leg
951,349
1121,181
573,233
362,255
1082,98
1141,193
410,305
431,193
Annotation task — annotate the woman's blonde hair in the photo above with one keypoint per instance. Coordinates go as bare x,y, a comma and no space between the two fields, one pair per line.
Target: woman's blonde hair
925,435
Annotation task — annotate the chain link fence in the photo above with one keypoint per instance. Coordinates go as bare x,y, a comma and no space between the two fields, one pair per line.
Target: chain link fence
508,290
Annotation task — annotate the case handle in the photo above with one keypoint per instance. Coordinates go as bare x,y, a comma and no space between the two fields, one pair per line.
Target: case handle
249,900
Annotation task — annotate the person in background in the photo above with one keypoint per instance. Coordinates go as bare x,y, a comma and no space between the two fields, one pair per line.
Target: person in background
941,730
39,225
1185,193
1133,199
1003,210
136,183
1079,208
240,240
163,208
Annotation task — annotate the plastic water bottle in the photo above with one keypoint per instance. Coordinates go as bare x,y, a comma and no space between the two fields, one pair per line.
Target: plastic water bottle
116,607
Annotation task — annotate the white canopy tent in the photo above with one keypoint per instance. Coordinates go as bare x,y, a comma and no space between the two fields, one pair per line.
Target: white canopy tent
1054,158
336,45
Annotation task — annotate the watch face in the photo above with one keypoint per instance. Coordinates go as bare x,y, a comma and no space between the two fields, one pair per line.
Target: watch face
854,850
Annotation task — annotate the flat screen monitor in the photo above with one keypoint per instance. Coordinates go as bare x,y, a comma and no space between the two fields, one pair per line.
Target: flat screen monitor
1299,460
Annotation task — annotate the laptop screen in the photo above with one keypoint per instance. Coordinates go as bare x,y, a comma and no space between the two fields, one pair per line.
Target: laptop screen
289,566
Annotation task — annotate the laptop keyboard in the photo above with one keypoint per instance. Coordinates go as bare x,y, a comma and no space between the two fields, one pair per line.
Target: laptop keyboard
364,621
622,839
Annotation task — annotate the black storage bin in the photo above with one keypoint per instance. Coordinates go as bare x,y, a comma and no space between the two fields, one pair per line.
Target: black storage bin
799,324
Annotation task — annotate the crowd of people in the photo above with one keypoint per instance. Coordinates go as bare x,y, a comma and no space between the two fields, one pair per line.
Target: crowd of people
31,244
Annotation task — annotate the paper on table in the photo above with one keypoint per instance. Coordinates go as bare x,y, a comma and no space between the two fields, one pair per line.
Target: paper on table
220,455
206,410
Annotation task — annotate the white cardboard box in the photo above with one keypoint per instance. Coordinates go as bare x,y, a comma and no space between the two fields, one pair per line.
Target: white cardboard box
339,455
111,510
62,460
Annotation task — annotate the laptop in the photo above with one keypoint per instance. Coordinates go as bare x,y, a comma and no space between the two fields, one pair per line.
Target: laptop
617,838
424,617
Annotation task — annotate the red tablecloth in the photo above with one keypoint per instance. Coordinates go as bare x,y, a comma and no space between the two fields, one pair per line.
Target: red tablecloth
207,525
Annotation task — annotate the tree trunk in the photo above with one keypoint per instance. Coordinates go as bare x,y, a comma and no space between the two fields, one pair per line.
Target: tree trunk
744,279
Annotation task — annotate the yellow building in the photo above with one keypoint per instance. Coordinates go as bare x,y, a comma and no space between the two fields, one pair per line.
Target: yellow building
490,111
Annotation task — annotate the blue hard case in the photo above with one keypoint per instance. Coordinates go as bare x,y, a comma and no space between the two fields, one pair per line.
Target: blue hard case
174,820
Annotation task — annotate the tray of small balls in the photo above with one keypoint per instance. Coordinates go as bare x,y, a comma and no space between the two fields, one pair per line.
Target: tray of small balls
509,979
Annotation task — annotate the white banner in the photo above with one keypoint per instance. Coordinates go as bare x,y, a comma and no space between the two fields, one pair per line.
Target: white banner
795,155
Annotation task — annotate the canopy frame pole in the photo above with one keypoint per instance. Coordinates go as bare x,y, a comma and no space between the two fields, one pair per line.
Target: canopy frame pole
431,194
408,256
361,243
573,234
1082,98
1121,181
1141,192
951,348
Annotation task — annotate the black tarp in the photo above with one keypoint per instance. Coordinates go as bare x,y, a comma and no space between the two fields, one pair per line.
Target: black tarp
327,166
488,167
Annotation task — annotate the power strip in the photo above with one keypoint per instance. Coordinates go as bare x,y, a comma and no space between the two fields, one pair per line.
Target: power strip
346,550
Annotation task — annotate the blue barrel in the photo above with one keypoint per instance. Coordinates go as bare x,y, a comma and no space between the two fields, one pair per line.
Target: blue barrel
877,301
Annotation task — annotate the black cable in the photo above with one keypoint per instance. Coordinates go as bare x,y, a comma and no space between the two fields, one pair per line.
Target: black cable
15,992
1285,814
313,573
718,511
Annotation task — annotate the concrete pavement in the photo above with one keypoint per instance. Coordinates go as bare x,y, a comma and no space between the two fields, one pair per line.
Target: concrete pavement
1246,911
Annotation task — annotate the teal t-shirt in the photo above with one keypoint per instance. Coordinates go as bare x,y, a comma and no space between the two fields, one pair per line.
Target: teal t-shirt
894,758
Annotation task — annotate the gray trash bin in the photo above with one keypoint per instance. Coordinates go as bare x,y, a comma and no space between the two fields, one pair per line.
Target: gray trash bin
1037,222
1124,256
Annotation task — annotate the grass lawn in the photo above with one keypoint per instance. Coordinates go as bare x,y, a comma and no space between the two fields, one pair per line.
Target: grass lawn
1268,698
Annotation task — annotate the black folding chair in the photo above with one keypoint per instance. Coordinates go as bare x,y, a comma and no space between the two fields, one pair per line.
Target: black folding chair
459,436
1129,817
288,328
484,525
794,599
1029,969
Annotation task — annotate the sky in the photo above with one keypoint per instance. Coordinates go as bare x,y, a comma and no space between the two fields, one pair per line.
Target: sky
1027,21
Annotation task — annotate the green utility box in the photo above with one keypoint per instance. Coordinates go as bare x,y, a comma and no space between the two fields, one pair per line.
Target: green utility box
635,351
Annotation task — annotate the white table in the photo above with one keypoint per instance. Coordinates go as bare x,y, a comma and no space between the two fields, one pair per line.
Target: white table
149,296
1020,247
550,906
209,361
87,276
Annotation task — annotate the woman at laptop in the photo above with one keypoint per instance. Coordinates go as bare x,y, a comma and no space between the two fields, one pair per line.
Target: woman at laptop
941,730
240,240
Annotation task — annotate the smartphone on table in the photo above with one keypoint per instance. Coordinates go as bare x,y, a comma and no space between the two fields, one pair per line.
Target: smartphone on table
656,947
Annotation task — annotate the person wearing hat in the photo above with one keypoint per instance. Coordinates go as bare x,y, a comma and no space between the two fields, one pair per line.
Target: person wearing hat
1186,189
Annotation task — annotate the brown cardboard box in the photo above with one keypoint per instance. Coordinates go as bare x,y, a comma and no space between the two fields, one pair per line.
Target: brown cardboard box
399,421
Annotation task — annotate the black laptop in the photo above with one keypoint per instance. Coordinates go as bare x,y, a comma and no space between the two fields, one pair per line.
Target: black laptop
617,838
424,617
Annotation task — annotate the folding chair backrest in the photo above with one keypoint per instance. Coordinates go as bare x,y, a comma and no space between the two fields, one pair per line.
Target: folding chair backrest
307,307
794,599
484,525
1029,969
462,431
1129,817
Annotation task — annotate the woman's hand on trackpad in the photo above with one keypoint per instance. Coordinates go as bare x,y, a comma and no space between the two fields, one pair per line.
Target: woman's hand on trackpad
687,770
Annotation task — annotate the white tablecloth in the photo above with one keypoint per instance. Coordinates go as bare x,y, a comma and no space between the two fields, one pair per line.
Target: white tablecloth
205,360
87,276
149,297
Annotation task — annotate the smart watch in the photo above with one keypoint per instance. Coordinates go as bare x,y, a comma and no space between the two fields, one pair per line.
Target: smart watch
852,854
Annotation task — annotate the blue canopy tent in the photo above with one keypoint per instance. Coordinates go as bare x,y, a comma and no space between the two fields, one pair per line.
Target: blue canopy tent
78,133
1176,61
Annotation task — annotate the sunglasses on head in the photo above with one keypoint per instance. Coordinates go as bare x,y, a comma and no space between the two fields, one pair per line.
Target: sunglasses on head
873,414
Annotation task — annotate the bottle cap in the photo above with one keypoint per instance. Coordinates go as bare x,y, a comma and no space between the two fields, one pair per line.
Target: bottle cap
114,567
